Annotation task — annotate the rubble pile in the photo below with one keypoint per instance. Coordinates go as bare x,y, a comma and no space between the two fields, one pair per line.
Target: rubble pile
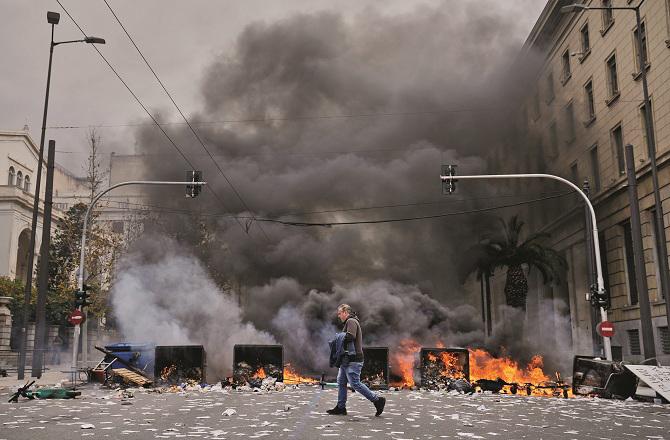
441,371
375,381
174,375
246,375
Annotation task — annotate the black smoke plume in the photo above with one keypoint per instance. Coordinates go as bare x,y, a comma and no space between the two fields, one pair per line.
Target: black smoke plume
322,118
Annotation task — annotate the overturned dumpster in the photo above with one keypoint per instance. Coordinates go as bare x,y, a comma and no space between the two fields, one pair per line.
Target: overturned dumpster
598,377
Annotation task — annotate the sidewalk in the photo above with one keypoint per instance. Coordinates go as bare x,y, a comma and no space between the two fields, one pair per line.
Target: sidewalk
51,377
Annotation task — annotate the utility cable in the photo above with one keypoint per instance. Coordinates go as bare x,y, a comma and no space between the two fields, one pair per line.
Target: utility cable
145,108
405,219
230,183
362,222
124,204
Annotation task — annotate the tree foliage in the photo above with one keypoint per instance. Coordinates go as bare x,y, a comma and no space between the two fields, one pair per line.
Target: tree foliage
506,248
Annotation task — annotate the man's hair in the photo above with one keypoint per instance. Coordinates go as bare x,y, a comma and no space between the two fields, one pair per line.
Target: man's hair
345,307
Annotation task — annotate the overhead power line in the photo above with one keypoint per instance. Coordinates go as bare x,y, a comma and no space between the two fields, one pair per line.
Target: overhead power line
169,95
406,219
144,108
168,210
123,204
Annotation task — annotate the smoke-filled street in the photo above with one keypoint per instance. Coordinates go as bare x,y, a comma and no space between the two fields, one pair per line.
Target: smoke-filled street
408,219
300,414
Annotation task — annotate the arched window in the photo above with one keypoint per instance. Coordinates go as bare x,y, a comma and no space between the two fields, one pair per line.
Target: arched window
26,183
10,178
19,179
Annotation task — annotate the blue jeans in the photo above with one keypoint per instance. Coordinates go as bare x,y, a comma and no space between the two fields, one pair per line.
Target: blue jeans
350,372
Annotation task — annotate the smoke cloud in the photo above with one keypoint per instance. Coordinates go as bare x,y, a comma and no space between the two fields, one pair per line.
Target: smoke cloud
166,297
322,118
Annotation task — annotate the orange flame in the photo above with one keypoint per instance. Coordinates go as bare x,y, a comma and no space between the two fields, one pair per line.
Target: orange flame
483,365
292,377
260,374
402,360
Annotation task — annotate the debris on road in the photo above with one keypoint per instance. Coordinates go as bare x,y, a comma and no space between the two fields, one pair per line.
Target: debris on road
229,412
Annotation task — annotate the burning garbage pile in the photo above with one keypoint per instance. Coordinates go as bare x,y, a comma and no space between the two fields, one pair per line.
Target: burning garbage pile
375,372
445,368
262,367
470,370
175,364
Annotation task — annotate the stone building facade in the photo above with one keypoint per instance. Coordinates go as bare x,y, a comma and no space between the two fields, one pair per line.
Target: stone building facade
585,105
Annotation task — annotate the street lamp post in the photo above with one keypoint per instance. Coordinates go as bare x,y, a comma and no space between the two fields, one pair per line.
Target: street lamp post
651,146
82,251
450,180
52,18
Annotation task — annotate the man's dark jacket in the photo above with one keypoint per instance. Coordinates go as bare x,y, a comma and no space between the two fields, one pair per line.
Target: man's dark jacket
339,349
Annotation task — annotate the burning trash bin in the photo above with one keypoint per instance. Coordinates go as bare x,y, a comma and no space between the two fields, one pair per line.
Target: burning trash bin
442,367
180,363
375,372
253,363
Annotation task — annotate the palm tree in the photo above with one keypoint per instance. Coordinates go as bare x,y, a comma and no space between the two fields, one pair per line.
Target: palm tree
505,249
512,252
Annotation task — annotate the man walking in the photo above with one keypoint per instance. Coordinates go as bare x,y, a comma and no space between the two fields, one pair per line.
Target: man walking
352,364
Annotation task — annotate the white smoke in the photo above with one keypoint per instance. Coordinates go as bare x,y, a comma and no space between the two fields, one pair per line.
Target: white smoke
171,300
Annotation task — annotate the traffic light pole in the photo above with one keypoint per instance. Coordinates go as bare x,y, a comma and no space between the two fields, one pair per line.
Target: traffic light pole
451,179
82,256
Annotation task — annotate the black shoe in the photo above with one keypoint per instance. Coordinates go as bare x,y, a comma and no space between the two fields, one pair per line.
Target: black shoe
337,411
379,404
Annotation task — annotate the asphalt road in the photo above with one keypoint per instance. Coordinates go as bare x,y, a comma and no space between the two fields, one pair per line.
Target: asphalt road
299,414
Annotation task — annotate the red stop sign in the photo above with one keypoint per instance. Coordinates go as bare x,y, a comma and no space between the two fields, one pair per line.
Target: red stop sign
76,317
605,329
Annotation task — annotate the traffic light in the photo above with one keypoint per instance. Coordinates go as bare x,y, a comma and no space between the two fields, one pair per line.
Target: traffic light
81,297
193,190
449,185
599,298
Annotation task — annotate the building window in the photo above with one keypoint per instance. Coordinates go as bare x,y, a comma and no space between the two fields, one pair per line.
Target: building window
643,123
612,78
574,173
630,263
566,73
26,183
586,41
634,342
595,168
590,102
11,176
617,146
664,336
550,88
19,179
570,122
553,139
117,227
645,53
608,16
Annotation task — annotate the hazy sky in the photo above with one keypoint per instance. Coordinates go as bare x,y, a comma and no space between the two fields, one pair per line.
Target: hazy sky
179,38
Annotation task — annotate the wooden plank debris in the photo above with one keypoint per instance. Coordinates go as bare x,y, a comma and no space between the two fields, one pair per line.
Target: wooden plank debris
130,376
